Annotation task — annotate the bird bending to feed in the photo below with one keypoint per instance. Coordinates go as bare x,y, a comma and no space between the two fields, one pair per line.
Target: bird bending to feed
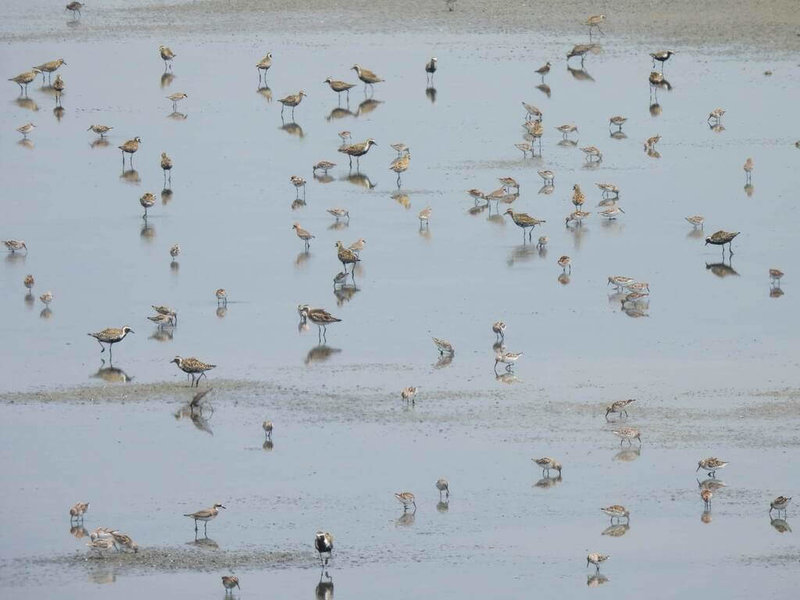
323,543
696,220
443,486
650,143
15,245
123,540
711,465
166,55
565,262
595,559
368,77
615,511
303,234
592,153
193,368
77,510
780,503
110,336
444,347
229,582
205,515
74,7
720,238
716,114
628,434
499,329
547,463
619,407
406,499
408,394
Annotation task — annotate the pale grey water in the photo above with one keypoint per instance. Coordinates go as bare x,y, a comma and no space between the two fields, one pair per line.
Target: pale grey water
707,344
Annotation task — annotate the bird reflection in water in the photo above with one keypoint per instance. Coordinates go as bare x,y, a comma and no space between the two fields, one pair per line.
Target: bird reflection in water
345,293
27,104
596,580
46,313
780,525
324,588
402,199
775,291
548,482
162,334
628,454
706,517
580,74
177,116
444,361
58,113
26,143
199,417
221,311
101,575
302,258
361,180
749,189
722,269
521,253
340,113
111,374
545,89
265,93
320,353
507,378
712,484
148,232
616,530
430,93
99,142
406,519
298,203
268,445
564,279
131,176
292,128
367,106
204,543
547,189
443,506
167,79
324,178
30,300
78,531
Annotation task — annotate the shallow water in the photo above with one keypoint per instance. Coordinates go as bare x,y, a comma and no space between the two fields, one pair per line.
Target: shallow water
706,345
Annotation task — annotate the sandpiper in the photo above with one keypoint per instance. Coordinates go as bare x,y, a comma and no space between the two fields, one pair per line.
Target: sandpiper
720,238
711,465
616,511
193,368
298,182
508,183
628,434
775,276
524,147
595,559
499,329
263,66
344,136
542,243
748,168
507,358
425,217
46,298
617,121
780,503
576,216
594,22
23,79
544,70
165,310
567,128
166,164
661,56
524,221
110,336
696,220
346,256
608,188
100,130
205,515
50,66
592,153
580,50
406,499
222,296
619,407
430,68
358,245
147,201
303,234
368,77
547,463
706,495
229,582
130,147
408,394
358,150
650,143
29,281
443,486
321,318
26,129
123,540
102,544
323,544
611,213
174,251
565,262
547,176
74,7
15,245
400,147
532,112
323,165
339,213
166,55
267,427
292,101
444,347
716,115
77,511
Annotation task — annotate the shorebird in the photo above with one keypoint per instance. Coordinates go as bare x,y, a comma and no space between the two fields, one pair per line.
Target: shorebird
617,121
711,465
507,358
578,198
130,147
696,221
628,434
547,463
77,511
292,101
780,503
748,168
166,165
716,115
29,281
101,533
358,150
59,87
222,296
324,166
123,540
619,407
524,221
443,486
321,318
323,543
358,245
706,495
444,347
74,7
656,79
339,213
400,165
400,147
229,582
611,213
532,112
661,56
102,544
46,298
608,188
100,130
26,129
15,246
110,336
147,201
592,153
499,329
263,66
50,66
175,98
720,238
346,256
650,143
580,50
430,68
175,251
205,515
344,136
298,182
303,234
542,243
525,147
267,427
775,276
566,129
595,559
576,216
594,22
340,86
165,310
616,511
544,70
406,499
547,176
23,79
565,262
425,217
508,183
166,55
408,394
368,77
193,368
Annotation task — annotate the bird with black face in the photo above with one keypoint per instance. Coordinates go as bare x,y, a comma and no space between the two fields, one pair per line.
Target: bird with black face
323,542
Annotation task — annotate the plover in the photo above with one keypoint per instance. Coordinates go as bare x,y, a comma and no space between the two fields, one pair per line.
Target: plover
661,56
544,70
580,50
303,234
368,77
711,465
430,68
263,66
110,336
524,221
346,256
23,79
339,86
147,201
193,368
292,101
443,486
444,347
130,147
166,55
205,515
59,86
323,544
229,582
720,238
358,150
